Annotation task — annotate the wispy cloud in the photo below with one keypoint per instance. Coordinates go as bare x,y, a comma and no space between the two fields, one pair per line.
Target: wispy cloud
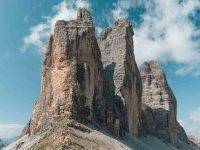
66,10
122,8
10,130
167,34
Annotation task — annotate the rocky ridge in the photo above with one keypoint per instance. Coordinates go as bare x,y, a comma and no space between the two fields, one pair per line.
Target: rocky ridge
159,103
92,88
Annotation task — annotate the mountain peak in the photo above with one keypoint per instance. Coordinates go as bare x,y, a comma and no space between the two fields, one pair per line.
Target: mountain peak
92,92
151,67
159,105
83,15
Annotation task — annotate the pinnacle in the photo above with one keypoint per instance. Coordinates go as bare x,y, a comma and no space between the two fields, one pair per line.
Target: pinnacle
83,14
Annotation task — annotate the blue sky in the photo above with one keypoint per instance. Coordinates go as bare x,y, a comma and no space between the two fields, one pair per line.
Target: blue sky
167,31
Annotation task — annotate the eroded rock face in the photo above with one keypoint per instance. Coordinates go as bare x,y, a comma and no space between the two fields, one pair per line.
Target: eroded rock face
122,82
72,83
159,103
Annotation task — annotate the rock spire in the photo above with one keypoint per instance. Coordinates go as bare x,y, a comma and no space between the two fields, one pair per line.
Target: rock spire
159,108
72,82
123,85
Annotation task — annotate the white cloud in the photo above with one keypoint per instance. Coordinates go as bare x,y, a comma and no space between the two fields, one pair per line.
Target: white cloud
66,10
166,35
195,116
123,6
10,130
119,13
82,4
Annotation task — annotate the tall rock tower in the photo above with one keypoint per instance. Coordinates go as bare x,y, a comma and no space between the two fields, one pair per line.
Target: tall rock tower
72,82
159,103
122,84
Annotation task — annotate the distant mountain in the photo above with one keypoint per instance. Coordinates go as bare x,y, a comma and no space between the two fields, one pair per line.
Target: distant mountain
2,144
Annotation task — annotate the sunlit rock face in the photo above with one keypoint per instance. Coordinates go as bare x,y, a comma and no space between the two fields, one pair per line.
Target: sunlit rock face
72,82
122,79
159,103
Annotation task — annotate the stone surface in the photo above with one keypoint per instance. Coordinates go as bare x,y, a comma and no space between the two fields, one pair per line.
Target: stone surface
159,108
122,79
71,135
72,82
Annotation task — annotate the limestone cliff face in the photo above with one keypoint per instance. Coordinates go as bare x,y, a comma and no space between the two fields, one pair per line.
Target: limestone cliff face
84,94
159,103
72,82
122,82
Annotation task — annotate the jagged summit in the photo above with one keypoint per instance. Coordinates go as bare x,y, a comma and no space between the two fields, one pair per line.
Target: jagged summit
151,67
154,78
124,23
121,23
72,83
159,108
158,96
84,15
83,20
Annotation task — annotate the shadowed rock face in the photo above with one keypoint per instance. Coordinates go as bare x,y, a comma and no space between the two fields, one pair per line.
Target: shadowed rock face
72,83
159,105
122,83
181,134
